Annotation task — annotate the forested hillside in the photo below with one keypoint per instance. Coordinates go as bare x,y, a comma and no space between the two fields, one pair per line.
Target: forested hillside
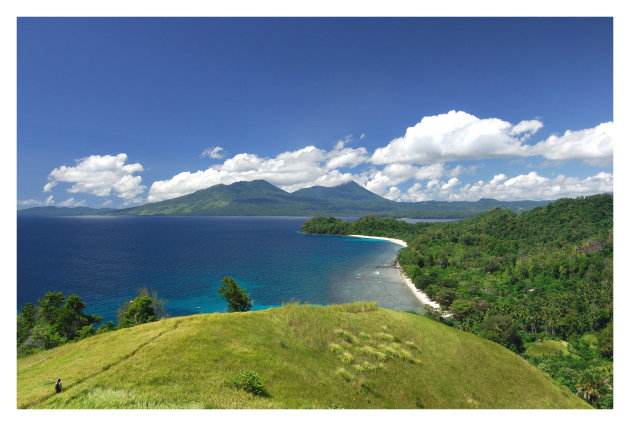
523,281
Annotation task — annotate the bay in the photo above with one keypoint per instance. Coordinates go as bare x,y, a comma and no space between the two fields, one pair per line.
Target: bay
106,259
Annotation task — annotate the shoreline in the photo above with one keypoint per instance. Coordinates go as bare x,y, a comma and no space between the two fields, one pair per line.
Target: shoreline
423,298
391,240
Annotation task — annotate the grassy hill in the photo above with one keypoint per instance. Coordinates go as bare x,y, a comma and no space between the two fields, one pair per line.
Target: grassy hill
347,356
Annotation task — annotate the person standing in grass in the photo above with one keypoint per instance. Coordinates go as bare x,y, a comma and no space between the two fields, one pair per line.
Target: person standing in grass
58,386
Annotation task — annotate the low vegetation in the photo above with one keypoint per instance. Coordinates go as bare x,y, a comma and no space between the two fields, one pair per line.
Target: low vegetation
250,382
296,356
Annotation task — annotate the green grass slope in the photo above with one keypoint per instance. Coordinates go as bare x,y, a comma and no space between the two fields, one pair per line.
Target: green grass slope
347,356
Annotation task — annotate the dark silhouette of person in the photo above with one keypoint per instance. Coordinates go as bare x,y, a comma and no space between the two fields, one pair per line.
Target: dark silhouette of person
58,386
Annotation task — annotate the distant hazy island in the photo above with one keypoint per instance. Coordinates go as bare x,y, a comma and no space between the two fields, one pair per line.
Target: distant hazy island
260,198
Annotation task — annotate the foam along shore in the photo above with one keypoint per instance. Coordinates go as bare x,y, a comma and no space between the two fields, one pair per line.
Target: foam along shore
416,291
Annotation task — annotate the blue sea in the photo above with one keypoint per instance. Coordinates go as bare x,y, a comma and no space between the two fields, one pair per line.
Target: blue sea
106,259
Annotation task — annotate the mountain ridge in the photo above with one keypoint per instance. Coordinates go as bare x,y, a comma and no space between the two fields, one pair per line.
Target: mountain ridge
261,198
348,190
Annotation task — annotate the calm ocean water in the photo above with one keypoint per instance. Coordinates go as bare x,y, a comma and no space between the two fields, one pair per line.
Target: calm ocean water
105,259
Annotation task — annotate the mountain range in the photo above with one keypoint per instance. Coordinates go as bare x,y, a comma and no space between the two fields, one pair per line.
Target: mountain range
261,198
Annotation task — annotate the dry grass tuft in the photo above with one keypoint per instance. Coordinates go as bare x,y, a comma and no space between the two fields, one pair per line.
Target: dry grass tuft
347,376
345,335
335,348
346,357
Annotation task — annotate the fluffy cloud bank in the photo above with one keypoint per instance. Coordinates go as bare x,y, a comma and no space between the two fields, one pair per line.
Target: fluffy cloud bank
592,146
291,170
70,202
419,156
37,203
458,136
381,181
454,136
414,167
531,186
100,176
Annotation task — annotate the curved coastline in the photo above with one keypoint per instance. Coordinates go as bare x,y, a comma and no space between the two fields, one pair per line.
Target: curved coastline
416,291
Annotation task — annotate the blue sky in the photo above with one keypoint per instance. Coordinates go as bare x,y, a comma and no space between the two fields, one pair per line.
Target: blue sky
118,112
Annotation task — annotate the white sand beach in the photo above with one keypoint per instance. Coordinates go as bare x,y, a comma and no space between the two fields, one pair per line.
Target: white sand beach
418,293
392,240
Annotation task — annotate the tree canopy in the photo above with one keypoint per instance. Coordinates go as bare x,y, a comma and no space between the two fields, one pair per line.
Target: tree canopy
54,321
237,298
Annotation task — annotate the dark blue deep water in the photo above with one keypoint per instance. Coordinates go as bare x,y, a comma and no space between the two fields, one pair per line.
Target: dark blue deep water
105,259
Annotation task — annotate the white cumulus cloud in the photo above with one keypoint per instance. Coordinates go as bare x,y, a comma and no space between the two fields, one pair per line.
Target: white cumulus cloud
31,202
531,186
214,152
342,156
454,136
526,126
380,181
593,146
71,203
100,175
457,136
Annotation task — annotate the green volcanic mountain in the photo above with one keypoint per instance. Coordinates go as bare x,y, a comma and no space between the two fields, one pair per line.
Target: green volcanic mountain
238,199
350,191
260,198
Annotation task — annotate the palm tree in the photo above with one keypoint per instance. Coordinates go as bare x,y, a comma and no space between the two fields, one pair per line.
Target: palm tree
591,384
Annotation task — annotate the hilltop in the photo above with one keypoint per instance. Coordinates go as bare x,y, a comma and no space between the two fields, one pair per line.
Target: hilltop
261,198
345,356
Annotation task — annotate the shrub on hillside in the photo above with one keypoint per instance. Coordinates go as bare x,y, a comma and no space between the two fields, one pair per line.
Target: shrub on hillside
138,311
250,382
142,309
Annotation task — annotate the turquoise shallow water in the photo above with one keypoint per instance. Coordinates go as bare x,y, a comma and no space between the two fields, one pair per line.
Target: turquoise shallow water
106,259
